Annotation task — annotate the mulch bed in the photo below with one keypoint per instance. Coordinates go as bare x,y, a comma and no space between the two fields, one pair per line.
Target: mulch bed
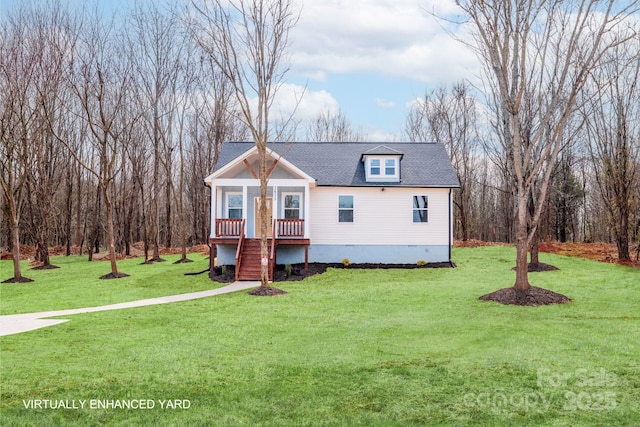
533,296
266,291
114,276
298,272
18,280
45,267
539,267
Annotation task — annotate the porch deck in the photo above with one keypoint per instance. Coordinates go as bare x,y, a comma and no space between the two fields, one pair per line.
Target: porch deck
231,231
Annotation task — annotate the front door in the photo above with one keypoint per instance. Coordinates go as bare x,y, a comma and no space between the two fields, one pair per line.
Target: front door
269,217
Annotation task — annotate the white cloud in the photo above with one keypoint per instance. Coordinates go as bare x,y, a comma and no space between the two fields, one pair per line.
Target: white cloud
384,103
306,104
393,37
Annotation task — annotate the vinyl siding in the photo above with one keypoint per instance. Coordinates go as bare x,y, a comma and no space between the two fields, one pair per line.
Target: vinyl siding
380,217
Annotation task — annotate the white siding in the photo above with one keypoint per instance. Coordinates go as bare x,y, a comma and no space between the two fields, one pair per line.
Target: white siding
380,217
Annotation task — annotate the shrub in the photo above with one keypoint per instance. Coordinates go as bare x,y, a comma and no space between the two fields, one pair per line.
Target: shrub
287,270
346,262
421,263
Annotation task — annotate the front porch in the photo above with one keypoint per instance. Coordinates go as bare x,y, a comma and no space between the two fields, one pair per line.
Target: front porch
232,232
235,219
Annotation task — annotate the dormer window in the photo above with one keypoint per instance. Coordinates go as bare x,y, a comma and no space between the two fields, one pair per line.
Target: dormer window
382,168
382,164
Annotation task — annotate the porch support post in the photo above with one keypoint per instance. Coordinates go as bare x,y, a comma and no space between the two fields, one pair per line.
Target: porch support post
214,194
274,207
245,204
307,210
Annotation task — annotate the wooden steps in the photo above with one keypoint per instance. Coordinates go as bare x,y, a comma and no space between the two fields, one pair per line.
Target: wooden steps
250,260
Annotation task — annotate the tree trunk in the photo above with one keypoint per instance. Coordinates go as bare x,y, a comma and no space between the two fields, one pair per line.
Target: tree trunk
622,238
68,211
15,243
536,236
169,228
522,269
110,233
535,250
264,227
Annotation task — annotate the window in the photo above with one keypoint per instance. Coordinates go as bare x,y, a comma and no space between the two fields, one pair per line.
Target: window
390,167
234,205
345,208
420,209
382,168
292,206
375,167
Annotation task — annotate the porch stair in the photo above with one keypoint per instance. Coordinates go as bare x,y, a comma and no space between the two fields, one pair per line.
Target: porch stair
250,261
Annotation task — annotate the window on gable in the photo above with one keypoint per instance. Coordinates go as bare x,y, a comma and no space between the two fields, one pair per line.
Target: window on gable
345,208
234,205
420,209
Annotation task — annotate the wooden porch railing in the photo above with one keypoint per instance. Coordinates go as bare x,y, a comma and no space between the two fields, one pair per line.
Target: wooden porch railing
290,227
272,260
229,227
239,250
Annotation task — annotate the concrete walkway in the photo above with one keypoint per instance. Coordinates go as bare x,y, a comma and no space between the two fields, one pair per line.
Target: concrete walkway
18,323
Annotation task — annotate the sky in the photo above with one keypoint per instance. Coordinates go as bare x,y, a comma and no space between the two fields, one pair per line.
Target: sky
369,59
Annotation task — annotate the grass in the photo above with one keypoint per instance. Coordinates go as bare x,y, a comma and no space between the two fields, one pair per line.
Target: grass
76,283
350,347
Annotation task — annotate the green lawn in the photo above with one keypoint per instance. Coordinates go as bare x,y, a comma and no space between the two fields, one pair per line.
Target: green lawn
350,347
76,283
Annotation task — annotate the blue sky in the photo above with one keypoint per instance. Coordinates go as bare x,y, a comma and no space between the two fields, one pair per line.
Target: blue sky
369,59
372,58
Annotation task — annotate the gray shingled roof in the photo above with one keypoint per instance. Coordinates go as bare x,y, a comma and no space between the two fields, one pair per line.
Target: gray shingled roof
340,163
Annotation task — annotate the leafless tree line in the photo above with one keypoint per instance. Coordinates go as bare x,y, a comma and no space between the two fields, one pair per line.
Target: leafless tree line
582,204
108,125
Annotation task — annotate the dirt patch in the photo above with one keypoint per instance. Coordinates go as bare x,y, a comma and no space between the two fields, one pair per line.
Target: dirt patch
473,243
183,261
114,276
44,267
533,296
266,291
603,252
18,280
539,267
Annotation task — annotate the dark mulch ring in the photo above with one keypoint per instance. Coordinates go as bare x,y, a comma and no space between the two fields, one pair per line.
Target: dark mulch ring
114,276
531,297
44,267
266,291
539,267
18,280
153,260
282,273
183,261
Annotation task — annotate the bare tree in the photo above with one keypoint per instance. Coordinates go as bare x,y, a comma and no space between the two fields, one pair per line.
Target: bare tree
542,51
332,127
157,53
19,57
247,41
450,118
100,78
614,138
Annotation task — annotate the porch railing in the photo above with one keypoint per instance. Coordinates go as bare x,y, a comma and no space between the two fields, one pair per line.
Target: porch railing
290,227
229,227
239,249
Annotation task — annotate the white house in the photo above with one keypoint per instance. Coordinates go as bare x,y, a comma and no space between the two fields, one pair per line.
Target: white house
385,203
